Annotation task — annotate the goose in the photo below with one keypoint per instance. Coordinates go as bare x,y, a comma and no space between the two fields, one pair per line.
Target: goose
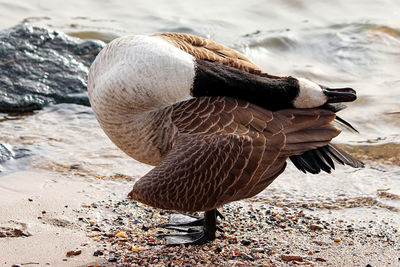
216,126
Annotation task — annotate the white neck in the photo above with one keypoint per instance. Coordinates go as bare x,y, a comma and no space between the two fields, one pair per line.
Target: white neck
310,95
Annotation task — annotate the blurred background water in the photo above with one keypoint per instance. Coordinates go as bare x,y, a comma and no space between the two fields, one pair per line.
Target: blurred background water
335,43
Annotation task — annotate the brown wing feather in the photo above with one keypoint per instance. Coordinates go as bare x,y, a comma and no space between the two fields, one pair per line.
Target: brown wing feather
211,164
206,49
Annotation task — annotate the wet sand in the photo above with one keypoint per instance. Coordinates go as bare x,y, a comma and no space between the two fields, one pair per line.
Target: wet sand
45,215
38,219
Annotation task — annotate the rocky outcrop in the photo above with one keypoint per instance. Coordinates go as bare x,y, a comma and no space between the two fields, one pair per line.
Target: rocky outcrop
39,66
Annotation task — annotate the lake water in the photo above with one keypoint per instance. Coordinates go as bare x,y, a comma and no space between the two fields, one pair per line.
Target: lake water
335,43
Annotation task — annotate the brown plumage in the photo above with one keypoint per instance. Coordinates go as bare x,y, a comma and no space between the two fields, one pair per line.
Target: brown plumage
227,150
203,48
214,150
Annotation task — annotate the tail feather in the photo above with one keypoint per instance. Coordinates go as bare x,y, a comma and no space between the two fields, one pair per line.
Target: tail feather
345,124
323,157
336,107
315,160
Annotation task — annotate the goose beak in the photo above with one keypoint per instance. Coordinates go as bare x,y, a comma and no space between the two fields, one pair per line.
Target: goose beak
337,95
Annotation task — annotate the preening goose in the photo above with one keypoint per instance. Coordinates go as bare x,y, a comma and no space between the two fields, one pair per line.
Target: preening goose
216,126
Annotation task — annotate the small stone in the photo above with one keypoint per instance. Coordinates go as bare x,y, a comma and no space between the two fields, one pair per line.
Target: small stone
245,242
43,212
113,259
368,265
291,258
320,259
75,167
110,235
316,227
121,234
257,250
98,253
337,240
135,249
248,257
74,253
30,199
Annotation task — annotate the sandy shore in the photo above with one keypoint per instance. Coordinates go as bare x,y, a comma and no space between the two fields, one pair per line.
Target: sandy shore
38,217
45,215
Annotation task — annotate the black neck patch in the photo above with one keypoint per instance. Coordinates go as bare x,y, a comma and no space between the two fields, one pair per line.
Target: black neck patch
215,79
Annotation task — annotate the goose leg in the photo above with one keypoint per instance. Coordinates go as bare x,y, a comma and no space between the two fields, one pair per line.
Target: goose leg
197,235
179,221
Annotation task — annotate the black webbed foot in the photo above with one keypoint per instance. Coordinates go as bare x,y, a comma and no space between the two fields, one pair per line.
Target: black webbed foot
198,230
197,237
182,221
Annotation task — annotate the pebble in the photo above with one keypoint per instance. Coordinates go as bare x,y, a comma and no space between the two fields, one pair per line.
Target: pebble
245,242
121,234
337,240
315,227
129,235
98,253
74,253
248,257
291,258
218,250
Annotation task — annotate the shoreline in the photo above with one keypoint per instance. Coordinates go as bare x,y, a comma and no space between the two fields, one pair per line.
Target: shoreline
59,213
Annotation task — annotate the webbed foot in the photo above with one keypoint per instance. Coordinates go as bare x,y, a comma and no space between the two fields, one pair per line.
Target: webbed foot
198,230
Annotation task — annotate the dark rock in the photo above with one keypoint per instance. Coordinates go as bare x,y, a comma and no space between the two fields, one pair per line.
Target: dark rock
98,253
40,66
113,259
245,242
